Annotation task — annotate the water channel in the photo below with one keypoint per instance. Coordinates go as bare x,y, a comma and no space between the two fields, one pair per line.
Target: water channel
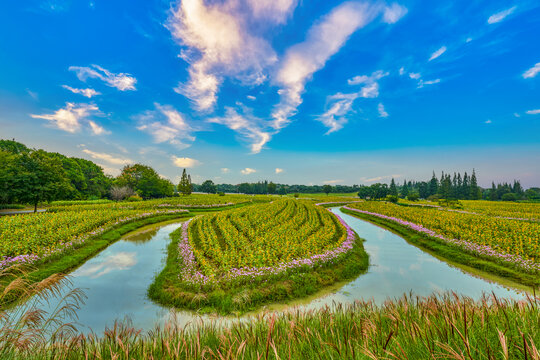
116,280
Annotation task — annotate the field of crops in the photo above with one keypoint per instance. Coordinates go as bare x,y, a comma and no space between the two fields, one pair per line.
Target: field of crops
515,238
267,239
30,237
506,209
194,201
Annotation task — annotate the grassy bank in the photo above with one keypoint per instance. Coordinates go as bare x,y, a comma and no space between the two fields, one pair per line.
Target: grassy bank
169,290
450,252
448,327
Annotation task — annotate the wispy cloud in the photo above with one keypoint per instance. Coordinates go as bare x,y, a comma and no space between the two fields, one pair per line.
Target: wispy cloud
248,171
533,112
225,170
97,129
219,43
393,13
487,122
121,81
89,93
279,170
532,72
69,118
422,83
379,178
166,124
184,162
382,111
437,53
324,39
330,182
500,16
248,126
111,159
415,76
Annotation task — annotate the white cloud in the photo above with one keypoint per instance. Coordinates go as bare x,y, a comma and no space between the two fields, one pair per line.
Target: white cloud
219,43
97,129
324,39
279,171
414,75
84,92
69,118
532,71
248,171
107,157
500,16
488,122
184,162
379,178
533,112
166,124
393,13
382,111
225,170
422,83
251,97
517,115
248,126
275,10
340,105
437,53
121,81
469,39
329,182
401,70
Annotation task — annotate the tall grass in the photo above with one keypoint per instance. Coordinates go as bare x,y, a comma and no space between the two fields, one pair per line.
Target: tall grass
437,327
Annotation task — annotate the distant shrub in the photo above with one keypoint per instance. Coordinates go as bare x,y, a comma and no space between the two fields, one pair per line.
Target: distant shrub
509,197
413,197
134,198
221,193
392,198
296,195
433,197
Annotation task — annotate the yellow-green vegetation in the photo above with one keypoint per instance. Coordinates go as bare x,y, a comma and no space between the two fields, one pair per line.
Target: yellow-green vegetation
503,235
438,327
504,209
238,259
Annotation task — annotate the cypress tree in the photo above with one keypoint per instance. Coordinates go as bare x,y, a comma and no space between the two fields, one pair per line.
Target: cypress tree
393,188
474,187
433,185
493,192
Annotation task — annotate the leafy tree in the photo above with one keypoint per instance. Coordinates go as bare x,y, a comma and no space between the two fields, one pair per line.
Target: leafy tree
327,189
282,190
393,188
433,185
145,181
13,147
244,188
208,187
493,192
509,197
121,192
423,190
272,188
404,190
185,184
40,177
413,196
446,187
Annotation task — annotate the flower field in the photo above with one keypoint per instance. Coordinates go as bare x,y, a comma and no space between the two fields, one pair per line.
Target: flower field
512,241
504,209
264,240
30,237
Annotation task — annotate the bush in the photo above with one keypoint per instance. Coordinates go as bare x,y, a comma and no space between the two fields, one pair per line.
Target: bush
433,197
509,197
134,198
296,195
221,193
413,197
392,198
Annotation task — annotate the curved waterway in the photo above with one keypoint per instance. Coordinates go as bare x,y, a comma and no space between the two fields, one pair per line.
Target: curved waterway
116,280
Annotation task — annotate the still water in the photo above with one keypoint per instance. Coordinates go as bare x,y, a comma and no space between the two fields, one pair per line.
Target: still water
116,280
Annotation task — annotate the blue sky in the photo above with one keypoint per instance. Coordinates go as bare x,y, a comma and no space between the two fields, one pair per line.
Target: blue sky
292,91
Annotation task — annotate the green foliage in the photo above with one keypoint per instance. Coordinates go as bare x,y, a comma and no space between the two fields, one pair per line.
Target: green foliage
145,181
327,189
208,187
509,197
392,198
414,196
185,187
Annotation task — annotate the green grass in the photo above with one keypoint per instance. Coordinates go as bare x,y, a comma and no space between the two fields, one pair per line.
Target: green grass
167,289
448,327
450,252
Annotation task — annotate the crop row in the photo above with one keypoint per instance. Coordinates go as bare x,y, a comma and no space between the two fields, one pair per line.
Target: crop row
27,238
262,240
502,236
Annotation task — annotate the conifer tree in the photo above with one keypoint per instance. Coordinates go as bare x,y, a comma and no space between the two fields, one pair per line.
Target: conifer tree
185,186
393,188
474,187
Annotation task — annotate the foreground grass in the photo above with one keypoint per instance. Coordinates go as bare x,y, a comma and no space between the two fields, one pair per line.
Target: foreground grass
438,327
450,252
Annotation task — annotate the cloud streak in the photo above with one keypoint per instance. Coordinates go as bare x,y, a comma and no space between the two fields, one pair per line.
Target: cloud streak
500,16
437,53
166,124
89,93
184,162
532,72
111,159
120,81
70,117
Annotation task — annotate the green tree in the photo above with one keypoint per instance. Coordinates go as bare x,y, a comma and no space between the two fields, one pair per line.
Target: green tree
327,189
185,184
393,188
40,178
145,181
474,193
404,190
433,185
446,188
208,187
272,188
493,192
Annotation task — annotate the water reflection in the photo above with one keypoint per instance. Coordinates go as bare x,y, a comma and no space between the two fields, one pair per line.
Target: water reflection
100,266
